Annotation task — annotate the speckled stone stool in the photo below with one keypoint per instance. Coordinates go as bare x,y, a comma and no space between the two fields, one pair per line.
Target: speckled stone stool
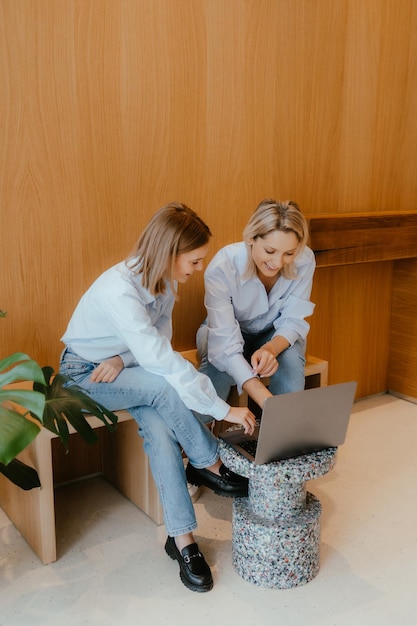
276,530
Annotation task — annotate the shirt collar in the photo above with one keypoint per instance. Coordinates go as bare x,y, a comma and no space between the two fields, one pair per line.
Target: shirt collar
242,263
146,295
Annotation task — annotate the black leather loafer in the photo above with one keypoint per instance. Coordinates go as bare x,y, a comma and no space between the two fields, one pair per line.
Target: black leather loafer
194,571
227,484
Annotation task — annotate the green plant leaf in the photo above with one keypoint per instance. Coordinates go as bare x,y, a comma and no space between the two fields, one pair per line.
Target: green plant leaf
16,432
53,401
66,402
33,401
18,367
21,474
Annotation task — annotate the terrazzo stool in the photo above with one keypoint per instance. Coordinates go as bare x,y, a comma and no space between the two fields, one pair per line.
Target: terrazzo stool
276,529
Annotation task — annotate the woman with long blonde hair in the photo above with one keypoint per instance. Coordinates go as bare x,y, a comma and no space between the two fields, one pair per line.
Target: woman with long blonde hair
118,349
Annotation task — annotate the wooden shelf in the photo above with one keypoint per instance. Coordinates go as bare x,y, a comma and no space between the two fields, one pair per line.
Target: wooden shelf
344,239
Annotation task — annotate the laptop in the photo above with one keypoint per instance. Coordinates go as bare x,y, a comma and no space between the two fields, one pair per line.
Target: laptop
297,423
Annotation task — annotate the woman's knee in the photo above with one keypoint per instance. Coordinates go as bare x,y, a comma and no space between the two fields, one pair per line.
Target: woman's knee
293,356
290,374
153,429
202,339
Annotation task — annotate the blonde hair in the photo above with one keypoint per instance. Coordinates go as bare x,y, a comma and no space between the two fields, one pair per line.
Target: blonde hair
271,215
173,230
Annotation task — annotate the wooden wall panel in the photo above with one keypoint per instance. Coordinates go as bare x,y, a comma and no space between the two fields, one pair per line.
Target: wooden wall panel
351,323
110,109
402,376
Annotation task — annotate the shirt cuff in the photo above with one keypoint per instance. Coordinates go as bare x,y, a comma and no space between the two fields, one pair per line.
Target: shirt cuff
127,358
240,370
290,335
220,409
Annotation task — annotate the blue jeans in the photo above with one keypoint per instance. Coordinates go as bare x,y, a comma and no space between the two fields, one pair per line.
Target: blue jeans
289,376
165,424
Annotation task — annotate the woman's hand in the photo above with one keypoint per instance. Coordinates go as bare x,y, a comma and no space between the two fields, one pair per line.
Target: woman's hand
264,362
107,371
242,415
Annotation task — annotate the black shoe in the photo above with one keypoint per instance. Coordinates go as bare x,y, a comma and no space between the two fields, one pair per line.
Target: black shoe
194,571
227,484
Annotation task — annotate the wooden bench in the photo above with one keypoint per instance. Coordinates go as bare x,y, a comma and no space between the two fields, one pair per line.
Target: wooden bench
124,464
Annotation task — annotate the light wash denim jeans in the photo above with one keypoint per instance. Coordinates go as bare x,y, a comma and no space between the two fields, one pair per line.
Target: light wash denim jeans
289,376
165,424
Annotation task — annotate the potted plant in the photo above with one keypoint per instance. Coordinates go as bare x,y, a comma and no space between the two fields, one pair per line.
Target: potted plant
52,403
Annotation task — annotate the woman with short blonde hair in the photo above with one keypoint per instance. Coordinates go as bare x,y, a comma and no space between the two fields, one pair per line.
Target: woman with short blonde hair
257,298
284,216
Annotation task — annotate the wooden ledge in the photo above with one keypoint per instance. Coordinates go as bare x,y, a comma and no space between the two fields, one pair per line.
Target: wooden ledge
347,238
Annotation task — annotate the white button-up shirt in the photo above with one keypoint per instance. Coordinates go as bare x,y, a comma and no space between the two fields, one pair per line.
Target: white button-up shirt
235,304
118,316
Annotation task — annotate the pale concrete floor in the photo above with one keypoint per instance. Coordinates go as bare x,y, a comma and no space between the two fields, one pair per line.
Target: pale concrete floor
112,568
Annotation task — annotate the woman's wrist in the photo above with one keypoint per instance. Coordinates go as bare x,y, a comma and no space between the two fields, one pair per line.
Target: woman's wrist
269,345
256,390
277,345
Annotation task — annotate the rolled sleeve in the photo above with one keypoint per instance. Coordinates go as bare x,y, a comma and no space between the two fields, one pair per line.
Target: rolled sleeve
291,323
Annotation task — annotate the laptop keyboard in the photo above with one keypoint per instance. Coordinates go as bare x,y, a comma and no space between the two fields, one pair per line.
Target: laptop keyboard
249,446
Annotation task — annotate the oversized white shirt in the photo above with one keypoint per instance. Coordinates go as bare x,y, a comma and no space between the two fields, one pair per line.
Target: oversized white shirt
235,304
118,316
